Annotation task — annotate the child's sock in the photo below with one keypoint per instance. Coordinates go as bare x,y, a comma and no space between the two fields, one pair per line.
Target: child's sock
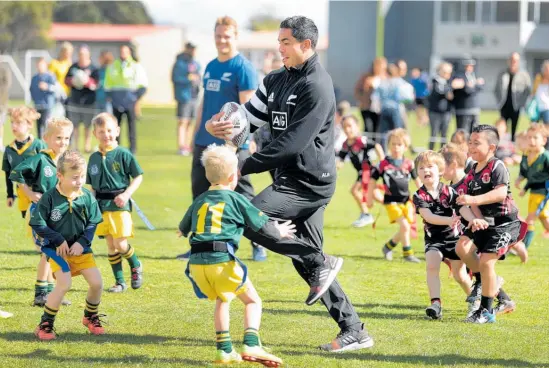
132,257
251,337
477,276
407,251
486,303
528,237
116,264
90,309
223,341
51,285
436,300
502,295
49,314
40,287
390,245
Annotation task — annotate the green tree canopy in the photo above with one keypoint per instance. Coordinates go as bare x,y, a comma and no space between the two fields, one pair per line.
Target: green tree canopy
24,25
265,21
111,12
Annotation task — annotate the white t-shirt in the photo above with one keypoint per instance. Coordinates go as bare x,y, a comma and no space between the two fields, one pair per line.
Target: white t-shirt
542,96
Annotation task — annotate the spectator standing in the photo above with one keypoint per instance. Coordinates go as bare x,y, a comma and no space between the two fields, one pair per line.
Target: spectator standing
125,83
466,87
82,77
105,59
42,90
364,88
60,67
420,81
513,88
5,84
542,93
440,106
186,83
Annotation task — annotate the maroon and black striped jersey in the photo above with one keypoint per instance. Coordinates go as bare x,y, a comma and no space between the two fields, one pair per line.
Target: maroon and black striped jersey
487,179
357,152
396,175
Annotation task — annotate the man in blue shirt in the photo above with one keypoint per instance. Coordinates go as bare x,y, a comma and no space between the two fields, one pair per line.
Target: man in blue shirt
228,78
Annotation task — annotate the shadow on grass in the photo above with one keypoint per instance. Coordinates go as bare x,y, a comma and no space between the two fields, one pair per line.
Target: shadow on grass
35,253
420,360
43,354
20,252
356,305
14,289
18,268
322,313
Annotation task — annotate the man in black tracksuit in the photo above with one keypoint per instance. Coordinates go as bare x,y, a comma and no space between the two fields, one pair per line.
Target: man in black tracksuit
298,103
466,88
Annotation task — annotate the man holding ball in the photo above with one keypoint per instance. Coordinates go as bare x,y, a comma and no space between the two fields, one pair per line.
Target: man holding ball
298,103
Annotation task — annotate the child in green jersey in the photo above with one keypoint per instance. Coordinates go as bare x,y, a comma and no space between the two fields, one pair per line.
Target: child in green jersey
216,221
35,176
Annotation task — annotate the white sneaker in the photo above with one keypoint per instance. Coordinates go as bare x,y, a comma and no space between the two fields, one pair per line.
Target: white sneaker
365,219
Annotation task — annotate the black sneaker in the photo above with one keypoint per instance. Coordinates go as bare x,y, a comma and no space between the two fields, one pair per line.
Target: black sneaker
40,299
322,277
348,340
434,311
137,276
475,292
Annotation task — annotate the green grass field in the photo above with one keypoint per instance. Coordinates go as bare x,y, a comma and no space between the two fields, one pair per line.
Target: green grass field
164,325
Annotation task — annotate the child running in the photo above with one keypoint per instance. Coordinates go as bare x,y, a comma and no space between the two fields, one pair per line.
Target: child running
396,172
357,148
65,220
115,175
216,221
35,176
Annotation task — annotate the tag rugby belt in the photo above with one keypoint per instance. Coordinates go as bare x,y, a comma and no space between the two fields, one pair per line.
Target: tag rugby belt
208,247
109,195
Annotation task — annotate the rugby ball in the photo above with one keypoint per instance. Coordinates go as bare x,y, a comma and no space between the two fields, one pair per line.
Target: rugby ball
80,79
235,113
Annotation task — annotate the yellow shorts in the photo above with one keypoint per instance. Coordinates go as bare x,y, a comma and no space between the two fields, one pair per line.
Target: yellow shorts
397,210
23,202
533,203
118,224
219,280
75,263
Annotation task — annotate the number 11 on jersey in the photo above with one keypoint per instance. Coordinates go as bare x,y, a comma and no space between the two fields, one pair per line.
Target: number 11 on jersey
217,214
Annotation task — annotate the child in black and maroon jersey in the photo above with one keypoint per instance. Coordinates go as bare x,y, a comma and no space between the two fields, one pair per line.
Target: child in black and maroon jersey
396,172
357,148
487,187
436,203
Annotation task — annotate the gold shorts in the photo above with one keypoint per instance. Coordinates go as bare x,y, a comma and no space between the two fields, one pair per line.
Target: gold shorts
75,263
23,202
118,224
533,203
221,280
397,210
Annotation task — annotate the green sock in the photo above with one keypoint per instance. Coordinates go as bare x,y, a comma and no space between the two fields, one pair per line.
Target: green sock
116,264
49,313
51,285
251,337
390,244
407,251
131,257
223,341
40,286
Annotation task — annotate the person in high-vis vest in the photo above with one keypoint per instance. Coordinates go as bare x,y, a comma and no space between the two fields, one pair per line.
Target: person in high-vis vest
125,83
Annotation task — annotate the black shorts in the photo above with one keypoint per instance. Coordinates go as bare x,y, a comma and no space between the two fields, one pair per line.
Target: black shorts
186,110
420,101
498,239
448,250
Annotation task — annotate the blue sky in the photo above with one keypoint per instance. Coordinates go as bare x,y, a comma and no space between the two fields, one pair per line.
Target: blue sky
201,14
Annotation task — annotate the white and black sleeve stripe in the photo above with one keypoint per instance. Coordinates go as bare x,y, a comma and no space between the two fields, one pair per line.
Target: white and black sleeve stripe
256,108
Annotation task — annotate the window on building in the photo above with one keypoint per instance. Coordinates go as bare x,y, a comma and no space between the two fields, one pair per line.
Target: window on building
451,11
531,11
507,11
470,11
486,12
544,13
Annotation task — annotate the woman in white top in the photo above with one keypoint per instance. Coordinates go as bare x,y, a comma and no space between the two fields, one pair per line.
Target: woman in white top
542,93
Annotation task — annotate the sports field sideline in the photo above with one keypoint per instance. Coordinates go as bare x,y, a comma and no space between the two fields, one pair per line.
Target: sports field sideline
163,324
